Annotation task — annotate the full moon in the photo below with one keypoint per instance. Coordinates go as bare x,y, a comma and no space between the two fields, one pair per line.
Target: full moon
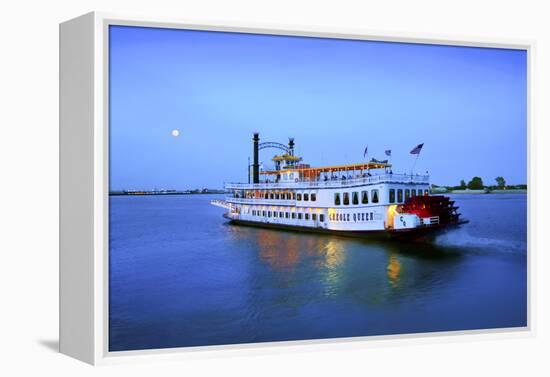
175,133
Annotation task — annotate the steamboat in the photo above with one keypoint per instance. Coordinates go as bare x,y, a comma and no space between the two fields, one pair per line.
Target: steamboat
364,199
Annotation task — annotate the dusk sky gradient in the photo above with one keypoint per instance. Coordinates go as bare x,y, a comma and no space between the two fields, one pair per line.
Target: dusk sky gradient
467,105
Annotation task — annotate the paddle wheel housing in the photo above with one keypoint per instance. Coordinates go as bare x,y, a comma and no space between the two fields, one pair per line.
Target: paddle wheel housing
432,206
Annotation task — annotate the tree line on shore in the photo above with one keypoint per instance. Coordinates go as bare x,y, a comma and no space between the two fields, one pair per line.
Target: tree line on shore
476,183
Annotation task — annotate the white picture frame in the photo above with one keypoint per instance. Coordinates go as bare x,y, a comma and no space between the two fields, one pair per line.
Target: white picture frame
84,187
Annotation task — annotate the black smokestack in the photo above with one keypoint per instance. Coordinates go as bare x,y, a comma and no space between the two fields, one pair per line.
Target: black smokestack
256,164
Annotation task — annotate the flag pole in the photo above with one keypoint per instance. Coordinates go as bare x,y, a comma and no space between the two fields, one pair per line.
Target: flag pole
414,163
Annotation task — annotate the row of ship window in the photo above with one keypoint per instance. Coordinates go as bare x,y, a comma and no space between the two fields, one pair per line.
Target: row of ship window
395,196
373,197
405,194
289,215
283,196
344,198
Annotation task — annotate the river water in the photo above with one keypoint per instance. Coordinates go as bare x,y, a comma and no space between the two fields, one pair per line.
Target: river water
180,275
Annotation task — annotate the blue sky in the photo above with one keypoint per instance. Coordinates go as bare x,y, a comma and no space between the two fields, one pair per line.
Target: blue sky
467,105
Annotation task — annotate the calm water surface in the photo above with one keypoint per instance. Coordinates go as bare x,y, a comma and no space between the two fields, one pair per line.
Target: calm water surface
181,276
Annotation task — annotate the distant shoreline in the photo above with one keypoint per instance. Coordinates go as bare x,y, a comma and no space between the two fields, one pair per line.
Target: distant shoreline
460,192
162,193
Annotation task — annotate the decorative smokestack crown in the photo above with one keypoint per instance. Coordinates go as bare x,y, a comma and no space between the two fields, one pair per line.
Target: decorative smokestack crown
291,146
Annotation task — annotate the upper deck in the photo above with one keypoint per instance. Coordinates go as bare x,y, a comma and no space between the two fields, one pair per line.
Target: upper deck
333,183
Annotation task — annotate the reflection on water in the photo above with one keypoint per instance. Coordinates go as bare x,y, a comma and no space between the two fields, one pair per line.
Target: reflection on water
375,272
284,250
181,280
394,269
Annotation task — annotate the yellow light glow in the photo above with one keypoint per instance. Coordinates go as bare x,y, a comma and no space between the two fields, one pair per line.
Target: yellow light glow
391,214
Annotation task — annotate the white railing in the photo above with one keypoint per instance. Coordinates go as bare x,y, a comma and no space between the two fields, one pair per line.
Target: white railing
379,178
274,202
220,203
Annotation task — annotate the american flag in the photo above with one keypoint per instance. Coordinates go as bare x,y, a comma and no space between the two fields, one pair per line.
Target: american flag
417,149
388,152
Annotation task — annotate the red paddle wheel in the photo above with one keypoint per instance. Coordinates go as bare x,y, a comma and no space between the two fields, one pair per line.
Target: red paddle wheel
431,206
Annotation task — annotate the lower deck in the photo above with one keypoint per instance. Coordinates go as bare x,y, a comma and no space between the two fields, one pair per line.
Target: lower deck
371,218
418,233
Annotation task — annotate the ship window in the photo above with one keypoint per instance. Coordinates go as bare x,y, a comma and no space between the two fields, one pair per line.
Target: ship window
286,215
307,216
413,193
354,217
268,213
399,195
280,214
266,195
371,215
306,196
346,198
355,197
298,196
270,195
293,215
407,194
275,214
426,192
314,216
363,217
299,216
364,197
375,196
347,217
313,197
321,218
392,195
337,199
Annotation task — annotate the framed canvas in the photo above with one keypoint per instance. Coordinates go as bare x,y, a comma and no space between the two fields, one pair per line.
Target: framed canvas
256,188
